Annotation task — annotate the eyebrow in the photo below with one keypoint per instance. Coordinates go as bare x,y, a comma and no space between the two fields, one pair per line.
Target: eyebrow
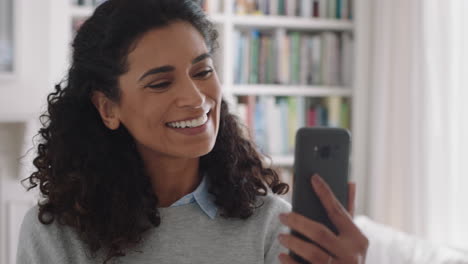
168,68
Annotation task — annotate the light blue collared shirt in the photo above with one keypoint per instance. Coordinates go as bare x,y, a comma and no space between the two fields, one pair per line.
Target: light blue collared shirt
201,196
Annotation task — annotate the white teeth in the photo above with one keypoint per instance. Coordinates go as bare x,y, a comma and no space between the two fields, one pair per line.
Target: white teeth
190,123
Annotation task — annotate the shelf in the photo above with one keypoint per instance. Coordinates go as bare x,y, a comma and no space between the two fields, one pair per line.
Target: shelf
81,11
290,90
281,160
86,11
292,23
217,18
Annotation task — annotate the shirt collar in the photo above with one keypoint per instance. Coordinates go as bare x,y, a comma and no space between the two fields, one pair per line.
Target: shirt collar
202,197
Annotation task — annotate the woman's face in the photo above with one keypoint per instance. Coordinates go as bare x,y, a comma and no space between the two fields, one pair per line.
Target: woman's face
171,78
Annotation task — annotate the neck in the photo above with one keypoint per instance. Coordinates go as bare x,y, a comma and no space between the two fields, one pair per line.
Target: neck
172,178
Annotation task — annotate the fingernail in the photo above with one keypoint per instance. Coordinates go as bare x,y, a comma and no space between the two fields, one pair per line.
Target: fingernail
316,179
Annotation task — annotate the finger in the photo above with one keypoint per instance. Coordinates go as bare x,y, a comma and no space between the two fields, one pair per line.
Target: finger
315,231
351,198
286,259
304,249
335,211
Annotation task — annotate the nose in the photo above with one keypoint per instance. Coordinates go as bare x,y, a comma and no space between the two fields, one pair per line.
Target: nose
190,95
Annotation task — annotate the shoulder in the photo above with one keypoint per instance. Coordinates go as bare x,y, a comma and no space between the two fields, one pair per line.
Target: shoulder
31,223
274,204
47,243
268,208
33,227
271,206
35,238
36,234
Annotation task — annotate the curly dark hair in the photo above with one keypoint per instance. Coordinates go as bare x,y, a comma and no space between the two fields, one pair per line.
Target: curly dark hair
92,178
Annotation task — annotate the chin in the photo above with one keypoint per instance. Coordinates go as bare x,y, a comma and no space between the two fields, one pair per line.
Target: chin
195,151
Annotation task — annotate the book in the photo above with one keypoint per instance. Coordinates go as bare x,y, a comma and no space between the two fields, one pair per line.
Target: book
301,111
251,6
255,50
282,7
344,9
282,51
306,9
316,8
246,58
315,46
291,7
323,8
273,7
283,106
304,59
311,117
330,63
338,9
260,7
345,116
295,57
238,55
251,101
241,7
272,60
321,115
262,61
260,125
331,9
274,125
241,113
334,111
347,48
292,122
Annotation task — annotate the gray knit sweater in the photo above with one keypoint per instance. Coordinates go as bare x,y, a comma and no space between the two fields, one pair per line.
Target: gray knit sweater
186,235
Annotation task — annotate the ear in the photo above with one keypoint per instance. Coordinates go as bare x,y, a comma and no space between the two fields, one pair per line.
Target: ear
107,109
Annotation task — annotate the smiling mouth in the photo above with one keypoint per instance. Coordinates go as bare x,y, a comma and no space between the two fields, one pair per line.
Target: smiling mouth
181,125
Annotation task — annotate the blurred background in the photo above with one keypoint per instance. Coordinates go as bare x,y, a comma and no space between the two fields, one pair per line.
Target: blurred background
395,73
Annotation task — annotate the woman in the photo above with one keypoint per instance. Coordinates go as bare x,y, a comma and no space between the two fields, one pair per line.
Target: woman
141,161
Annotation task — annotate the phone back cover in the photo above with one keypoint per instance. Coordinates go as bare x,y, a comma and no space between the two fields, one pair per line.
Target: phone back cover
333,169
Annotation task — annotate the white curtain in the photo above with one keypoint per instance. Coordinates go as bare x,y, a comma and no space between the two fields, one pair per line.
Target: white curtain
418,162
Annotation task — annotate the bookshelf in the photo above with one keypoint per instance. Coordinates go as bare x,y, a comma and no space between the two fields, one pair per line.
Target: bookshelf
271,24
225,15
292,90
290,22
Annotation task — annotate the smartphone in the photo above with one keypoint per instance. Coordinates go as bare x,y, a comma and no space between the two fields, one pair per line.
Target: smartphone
322,150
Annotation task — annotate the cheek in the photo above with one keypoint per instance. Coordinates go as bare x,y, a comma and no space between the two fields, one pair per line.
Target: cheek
216,95
143,117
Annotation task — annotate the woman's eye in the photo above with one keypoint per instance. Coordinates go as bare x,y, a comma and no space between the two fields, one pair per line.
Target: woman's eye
204,74
159,85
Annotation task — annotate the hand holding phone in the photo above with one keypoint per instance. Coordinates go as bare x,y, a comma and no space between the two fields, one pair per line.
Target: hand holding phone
322,230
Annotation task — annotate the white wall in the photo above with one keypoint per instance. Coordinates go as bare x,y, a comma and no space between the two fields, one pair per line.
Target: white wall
41,33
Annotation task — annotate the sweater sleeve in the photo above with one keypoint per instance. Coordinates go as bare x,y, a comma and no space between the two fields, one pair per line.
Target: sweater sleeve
272,247
38,243
28,242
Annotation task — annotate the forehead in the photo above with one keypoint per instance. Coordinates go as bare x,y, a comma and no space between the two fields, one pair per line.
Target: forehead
167,45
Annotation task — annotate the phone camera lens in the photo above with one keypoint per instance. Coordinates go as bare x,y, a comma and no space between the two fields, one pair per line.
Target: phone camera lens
325,152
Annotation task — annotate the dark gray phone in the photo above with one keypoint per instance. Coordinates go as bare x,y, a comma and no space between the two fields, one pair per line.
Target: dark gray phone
325,151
